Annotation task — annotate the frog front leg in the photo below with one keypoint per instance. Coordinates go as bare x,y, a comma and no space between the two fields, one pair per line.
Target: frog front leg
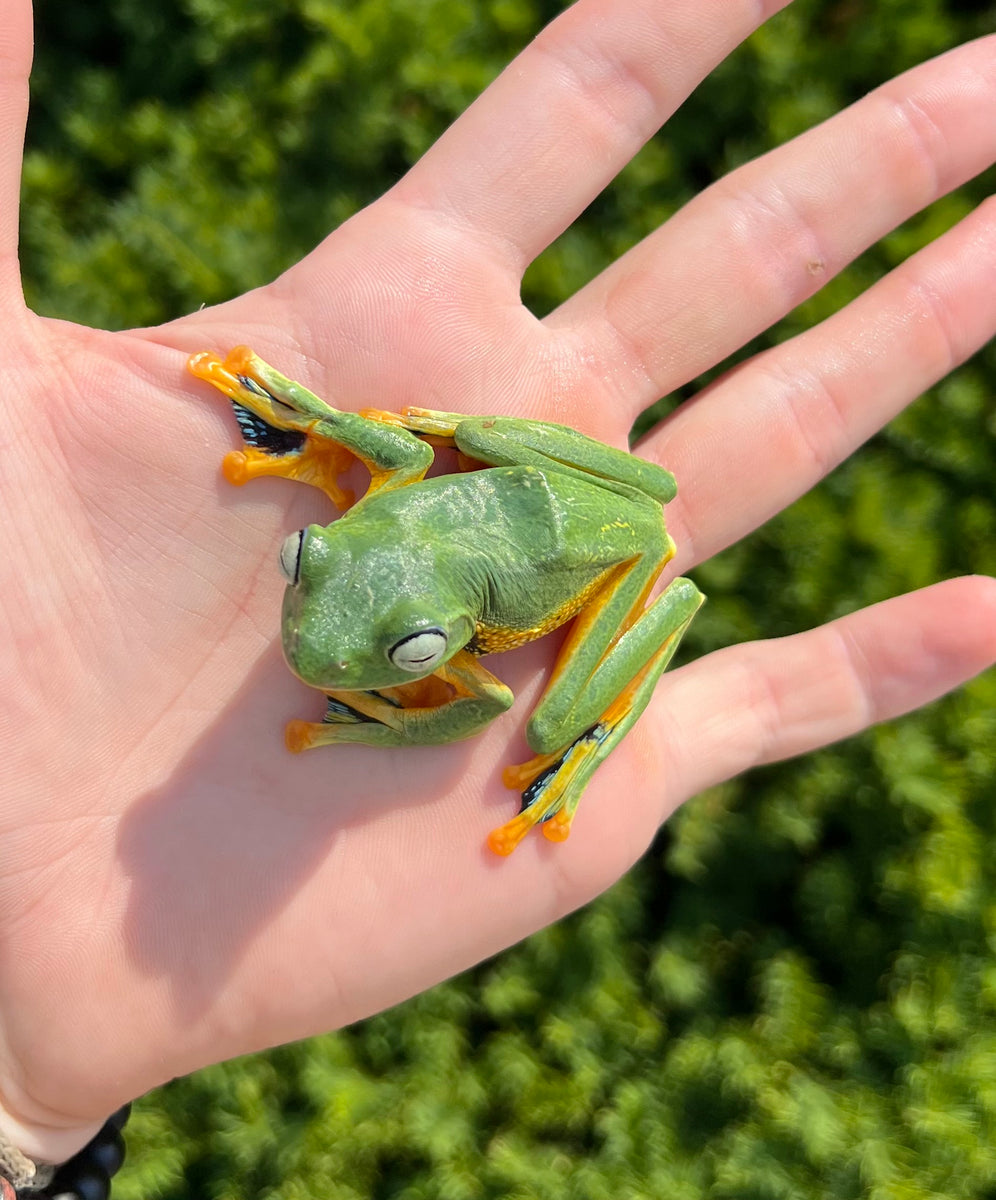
457,701
292,433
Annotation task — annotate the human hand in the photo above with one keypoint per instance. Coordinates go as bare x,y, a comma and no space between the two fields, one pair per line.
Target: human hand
175,888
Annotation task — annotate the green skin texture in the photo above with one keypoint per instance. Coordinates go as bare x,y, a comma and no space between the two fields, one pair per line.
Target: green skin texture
510,547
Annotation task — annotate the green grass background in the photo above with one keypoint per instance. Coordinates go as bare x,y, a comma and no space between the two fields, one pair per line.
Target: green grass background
794,993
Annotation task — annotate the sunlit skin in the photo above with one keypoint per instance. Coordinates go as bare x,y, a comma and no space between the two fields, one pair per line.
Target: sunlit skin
421,577
176,888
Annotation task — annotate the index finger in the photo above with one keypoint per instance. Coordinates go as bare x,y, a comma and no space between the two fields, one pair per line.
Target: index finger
569,112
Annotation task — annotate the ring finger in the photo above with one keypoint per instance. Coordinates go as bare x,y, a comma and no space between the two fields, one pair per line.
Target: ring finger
770,430
753,246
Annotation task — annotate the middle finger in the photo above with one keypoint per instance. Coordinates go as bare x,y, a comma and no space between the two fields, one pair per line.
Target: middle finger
771,429
568,114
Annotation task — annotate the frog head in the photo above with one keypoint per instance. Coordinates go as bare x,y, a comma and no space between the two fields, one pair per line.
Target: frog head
362,611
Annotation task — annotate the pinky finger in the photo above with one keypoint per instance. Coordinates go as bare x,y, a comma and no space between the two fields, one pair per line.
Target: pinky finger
765,701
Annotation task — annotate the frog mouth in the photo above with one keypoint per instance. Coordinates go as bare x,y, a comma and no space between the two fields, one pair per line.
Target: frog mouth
324,674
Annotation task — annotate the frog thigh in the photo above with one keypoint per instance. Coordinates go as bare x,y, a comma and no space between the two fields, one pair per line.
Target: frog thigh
585,691
580,680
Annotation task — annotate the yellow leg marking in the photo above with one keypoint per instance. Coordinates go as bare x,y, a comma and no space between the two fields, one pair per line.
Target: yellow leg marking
382,415
519,776
430,692
442,441
378,478
557,829
505,838
382,476
399,708
304,735
401,420
621,705
593,606
430,421
436,428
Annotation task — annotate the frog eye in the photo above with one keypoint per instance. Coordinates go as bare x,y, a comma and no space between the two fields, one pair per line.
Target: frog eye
419,652
290,557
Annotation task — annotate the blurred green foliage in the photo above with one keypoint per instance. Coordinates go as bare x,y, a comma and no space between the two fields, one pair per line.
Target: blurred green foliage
794,994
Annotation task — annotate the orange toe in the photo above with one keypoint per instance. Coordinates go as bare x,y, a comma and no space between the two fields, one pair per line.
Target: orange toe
297,736
558,828
505,838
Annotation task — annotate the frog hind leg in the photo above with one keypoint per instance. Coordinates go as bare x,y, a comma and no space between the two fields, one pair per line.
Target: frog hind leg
511,441
306,459
552,783
290,432
274,443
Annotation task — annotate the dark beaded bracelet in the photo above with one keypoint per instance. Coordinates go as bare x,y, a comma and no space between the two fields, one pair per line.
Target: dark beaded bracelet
87,1175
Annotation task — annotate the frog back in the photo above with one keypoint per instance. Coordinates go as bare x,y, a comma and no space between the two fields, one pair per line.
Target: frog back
528,547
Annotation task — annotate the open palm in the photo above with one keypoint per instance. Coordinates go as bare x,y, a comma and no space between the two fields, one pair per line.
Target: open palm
177,889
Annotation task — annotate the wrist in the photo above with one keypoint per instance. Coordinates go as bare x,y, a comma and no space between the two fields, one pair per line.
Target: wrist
43,1144
84,1173
30,1154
